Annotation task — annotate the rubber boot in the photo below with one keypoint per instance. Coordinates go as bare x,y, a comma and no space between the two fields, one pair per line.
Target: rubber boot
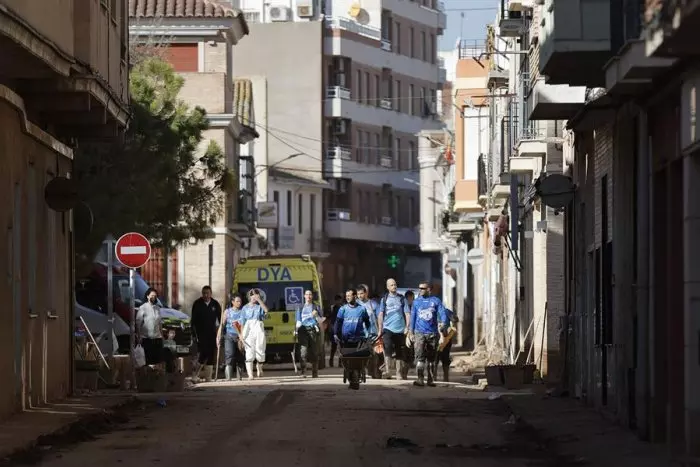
196,371
249,370
208,371
302,368
229,372
388,364
314,370
420,380
402,369
239,373
446,373
431,374
260,370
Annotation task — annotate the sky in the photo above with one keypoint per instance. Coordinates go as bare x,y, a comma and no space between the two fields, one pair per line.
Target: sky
477,14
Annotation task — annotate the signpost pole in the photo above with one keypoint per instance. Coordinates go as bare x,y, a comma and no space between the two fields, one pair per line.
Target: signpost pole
110,291
132,325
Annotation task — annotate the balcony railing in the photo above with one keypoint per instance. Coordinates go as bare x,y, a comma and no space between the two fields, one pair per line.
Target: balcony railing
337,92
350,25
339,152
338,214
471,48
386,161
252,16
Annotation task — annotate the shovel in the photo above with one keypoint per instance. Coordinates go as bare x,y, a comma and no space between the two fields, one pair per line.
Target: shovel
294,357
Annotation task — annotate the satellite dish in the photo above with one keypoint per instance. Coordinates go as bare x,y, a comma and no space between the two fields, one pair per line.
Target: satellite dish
556,190
61,194
355,10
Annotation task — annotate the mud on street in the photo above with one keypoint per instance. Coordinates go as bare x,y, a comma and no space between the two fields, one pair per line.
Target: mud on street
282,420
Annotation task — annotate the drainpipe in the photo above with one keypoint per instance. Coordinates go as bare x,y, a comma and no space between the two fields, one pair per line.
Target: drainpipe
645,272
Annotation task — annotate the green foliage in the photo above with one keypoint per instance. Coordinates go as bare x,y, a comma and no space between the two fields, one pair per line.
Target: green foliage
156,181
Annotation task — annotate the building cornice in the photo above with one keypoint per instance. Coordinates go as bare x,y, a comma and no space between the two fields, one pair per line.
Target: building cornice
184,30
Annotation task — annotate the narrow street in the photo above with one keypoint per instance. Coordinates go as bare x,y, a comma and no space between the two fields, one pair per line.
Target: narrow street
282,420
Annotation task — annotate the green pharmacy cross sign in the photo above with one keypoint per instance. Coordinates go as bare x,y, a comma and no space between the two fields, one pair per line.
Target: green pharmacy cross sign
393,261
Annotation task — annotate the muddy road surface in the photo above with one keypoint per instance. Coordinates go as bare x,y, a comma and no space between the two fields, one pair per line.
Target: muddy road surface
282,420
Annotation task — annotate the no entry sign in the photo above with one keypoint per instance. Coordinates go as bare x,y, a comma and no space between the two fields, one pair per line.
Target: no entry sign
133,250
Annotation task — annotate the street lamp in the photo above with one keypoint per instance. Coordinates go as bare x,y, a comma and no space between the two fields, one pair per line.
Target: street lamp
267,167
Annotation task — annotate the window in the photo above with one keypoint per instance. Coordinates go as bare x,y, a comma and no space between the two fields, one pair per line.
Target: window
434,202
300,208
411,98
397,210
365,148
358,145
397,102
377,147
421,104
358,207
368,94
289,207
358,97
411,43
411,155
378,206
397,37
377,90
397,151
312,214
409,214
433,49
423,46
276,234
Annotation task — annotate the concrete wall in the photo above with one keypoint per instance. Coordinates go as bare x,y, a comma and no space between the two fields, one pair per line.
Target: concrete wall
36,350
294,90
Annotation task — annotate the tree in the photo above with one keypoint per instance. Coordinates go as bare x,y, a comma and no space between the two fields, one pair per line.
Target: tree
158,180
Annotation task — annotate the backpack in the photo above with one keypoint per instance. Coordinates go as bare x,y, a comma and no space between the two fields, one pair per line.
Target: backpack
386,295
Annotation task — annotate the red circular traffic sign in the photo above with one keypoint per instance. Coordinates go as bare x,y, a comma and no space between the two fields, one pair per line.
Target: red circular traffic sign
133,250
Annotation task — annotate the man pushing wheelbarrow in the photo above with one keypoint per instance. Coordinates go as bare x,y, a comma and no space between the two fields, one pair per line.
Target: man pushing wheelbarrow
355,349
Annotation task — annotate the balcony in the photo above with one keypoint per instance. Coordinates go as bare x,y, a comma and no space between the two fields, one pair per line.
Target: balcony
417,12
252,16
497,79
340,164
671,28
575,42
374,54
555,101
350,25
339,107
512,22
531,143
339,152
339,224
338,92
631,72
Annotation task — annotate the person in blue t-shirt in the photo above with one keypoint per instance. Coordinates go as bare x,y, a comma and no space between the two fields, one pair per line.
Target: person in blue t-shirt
363,298
424,331
231,326
352,322
307,331
393,316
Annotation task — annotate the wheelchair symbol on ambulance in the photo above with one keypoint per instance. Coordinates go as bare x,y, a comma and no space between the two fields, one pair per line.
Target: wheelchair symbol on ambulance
293,295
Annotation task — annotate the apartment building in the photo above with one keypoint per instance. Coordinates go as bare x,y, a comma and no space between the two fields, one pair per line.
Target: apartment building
367,88
630,275
197,40
64,75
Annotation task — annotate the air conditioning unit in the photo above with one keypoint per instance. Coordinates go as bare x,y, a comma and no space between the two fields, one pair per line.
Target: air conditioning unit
339,127
278,13
305,11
